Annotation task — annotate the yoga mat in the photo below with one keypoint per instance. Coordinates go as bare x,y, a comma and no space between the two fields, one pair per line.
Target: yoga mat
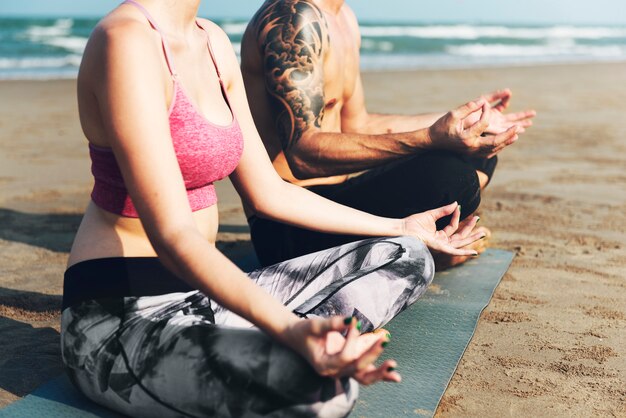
56,399
428,340
430,337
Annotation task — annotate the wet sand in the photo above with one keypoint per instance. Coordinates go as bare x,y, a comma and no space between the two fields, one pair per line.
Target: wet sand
551,343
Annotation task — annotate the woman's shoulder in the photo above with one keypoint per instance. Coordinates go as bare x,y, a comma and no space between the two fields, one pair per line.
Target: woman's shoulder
124,26
121,40
218,36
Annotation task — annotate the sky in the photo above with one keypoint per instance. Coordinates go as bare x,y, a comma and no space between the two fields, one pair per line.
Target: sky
432,11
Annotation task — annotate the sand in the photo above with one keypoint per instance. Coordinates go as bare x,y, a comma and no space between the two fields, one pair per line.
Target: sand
551,343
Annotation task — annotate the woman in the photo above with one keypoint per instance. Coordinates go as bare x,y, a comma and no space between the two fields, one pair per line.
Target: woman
156,321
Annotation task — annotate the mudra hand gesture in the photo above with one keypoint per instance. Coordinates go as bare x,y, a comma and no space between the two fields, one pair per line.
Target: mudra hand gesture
450,240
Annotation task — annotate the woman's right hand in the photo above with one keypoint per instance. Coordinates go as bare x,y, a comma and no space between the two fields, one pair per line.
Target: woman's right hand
454,239
321,343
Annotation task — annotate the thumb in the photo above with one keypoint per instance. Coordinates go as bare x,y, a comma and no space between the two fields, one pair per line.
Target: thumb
444,210
467,109
322,326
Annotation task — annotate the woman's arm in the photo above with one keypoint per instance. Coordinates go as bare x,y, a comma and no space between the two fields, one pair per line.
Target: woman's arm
130,92
132,102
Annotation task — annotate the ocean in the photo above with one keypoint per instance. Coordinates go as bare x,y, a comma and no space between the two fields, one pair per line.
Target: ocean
52,48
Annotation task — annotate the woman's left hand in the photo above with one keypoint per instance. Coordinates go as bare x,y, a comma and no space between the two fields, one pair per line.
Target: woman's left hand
449,240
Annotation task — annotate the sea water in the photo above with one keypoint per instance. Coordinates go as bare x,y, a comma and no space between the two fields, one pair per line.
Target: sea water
52,47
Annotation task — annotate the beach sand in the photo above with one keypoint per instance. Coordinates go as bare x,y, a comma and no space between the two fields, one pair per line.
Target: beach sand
551,343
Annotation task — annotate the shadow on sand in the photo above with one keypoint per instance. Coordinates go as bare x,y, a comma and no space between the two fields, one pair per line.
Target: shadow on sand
29,355
52,231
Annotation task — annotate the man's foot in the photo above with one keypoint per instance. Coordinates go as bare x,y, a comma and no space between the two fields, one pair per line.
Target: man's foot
445,261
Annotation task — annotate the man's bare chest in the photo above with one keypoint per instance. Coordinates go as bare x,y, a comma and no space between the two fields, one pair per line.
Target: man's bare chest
341,66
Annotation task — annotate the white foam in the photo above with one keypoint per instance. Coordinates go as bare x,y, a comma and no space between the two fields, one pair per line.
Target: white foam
469,32
372,45
405,62
58,35
40,62
61,27
234,28
549,50
74,44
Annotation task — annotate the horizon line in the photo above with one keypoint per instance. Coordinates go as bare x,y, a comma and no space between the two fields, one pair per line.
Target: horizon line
361,21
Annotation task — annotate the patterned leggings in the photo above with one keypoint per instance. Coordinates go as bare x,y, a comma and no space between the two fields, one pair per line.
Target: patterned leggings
182,355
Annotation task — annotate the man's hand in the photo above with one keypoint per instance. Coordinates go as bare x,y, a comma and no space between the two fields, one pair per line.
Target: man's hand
455,131
498,121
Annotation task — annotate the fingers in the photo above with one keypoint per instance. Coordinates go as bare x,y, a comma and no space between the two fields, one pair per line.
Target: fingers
447,248
467,109
443,211
349,363
504,94
385,372
482,124
502,97
463,242
454,222
370,355
505,138
493,144
336,360
521,118
504,101
352,337
389,371
321,327
466,227
357,356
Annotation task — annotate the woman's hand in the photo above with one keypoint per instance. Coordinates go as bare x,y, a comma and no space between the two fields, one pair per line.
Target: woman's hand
466,130
321,342
449,240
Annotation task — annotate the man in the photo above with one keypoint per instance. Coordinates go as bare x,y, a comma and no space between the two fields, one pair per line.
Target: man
300,61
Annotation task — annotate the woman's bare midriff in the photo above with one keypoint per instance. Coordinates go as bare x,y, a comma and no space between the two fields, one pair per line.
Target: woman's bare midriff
120,236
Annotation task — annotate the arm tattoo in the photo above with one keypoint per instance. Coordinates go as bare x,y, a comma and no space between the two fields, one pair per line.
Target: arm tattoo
293,37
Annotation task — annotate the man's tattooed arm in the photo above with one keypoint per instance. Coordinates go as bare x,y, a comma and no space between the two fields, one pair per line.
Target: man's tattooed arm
293,37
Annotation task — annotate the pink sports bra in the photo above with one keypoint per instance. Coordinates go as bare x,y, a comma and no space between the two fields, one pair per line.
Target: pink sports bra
206,152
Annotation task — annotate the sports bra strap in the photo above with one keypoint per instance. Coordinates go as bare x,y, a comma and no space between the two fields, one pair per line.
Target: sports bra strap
208,42
166,49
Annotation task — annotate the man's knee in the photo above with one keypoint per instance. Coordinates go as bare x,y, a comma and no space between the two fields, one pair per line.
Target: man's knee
485,166
447,178
466,191
457,181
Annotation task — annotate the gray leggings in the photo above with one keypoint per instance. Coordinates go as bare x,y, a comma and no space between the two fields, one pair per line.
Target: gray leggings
181,354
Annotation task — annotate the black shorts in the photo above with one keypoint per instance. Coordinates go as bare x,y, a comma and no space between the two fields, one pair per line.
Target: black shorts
395,190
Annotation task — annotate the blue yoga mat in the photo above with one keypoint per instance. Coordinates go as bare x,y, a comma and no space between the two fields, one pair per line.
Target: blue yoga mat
56,399
430,337
428,340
